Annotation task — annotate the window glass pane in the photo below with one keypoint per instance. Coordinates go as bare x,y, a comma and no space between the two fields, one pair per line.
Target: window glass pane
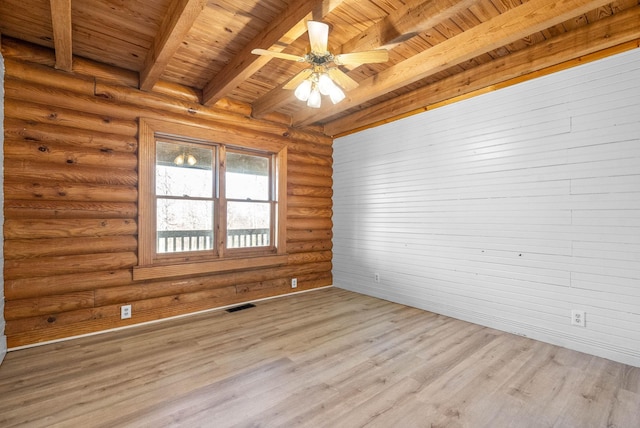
184,225
247,177
183,170
248,224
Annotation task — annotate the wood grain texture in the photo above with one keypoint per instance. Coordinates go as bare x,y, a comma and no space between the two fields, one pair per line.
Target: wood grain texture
404,23
72,203
200,51
508,27
175,25
62,33
344,359
245,63
585,44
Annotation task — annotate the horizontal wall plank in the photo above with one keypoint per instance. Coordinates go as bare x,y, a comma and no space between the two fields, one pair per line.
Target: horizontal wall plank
318,192
60,265
309,223
308,235
304,179
69,192
50,133
70,173
302,247
15,209
66,228
41,113
24,288
34,248
62,154
305,168
24,308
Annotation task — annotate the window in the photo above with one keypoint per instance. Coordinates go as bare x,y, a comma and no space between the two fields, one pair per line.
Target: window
250,204
185,197
208,204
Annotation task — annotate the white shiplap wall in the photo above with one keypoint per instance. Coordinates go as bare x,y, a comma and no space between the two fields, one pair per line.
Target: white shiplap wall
508,210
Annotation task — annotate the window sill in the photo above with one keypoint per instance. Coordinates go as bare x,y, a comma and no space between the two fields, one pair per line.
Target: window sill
214,266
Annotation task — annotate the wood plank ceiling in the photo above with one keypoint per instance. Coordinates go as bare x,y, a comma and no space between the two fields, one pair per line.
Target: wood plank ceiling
439,49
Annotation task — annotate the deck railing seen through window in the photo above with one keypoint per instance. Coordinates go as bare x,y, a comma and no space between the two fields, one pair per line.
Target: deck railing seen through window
172,241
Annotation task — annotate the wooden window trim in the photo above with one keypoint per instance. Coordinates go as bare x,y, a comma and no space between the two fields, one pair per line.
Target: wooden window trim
203,267
147,267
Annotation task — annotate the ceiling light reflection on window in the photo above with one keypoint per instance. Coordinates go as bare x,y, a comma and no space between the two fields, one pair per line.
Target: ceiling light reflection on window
188,158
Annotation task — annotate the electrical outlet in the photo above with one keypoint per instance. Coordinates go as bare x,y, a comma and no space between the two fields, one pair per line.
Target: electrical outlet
578,318
125,311
376,277
294,282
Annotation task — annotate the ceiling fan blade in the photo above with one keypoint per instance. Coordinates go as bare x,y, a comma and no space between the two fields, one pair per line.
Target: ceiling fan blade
297,79
341,78
365,57
278,55
318,36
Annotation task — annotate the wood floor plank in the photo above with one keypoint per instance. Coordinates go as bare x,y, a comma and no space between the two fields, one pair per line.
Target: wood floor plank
326,358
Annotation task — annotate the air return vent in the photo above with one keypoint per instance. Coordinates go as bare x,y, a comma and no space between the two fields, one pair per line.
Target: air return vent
241,307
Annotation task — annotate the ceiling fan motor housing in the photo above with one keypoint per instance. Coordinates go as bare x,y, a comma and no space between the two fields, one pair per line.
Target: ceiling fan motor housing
317,59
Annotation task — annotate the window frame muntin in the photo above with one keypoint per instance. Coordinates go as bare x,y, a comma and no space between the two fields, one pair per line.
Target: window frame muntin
227,137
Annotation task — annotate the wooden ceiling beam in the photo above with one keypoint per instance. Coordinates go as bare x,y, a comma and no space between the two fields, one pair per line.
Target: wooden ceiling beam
62,33
402,24
617,30
277,36
415,17
508,27
175,25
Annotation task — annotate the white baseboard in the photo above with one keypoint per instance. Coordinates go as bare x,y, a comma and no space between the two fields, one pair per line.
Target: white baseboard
574,342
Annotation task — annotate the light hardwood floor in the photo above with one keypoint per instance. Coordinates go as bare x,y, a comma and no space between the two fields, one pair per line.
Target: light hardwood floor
327,358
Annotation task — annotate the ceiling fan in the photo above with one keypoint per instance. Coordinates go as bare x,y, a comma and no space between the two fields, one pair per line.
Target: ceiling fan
324,77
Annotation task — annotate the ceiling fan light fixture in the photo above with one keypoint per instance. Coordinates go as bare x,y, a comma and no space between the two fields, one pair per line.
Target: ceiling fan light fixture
315,100
336,94
303,91
325,84
324,77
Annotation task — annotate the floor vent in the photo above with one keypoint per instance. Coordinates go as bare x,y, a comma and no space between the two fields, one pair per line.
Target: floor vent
241,307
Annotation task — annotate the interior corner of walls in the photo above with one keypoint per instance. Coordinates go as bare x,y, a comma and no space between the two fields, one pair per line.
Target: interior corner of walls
3,348
3,338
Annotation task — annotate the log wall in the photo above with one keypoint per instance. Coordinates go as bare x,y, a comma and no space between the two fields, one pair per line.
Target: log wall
71,201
